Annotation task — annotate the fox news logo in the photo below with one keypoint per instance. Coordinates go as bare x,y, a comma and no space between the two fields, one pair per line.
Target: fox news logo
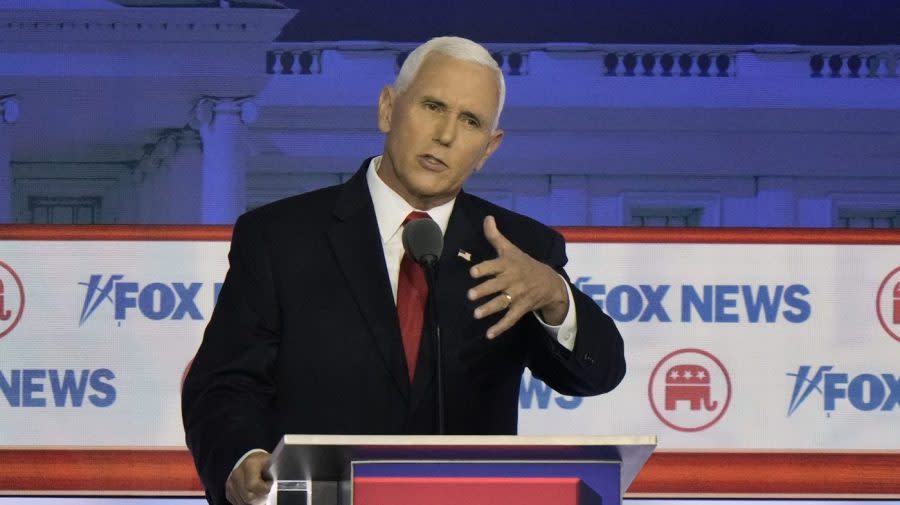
864,392
48,387
719,303
534,393
155,301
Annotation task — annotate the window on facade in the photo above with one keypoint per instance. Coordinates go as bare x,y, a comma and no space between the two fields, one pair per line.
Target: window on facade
665,217
868,218
64,210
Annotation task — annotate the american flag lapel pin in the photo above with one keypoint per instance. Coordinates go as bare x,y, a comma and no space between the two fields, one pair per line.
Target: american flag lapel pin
466,255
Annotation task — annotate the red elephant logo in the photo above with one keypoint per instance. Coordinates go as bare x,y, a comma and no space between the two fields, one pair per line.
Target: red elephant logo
897,303
692,376
887,304
5,313
12,299
689,383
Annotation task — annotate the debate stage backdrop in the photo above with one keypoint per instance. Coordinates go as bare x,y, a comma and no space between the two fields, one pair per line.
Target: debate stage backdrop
737,341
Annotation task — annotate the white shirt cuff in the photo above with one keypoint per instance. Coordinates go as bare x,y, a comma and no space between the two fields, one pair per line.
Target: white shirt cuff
251,451
565,332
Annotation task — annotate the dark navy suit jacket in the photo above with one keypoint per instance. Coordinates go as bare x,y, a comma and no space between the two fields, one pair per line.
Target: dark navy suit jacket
305,338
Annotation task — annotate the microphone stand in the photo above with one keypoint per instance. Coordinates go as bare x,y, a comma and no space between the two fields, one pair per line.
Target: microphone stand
431,278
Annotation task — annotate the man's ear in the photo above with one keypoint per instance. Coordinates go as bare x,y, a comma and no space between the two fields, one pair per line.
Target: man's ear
492,145
385,108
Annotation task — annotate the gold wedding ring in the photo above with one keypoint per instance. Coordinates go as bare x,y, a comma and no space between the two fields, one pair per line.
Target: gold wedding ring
508,298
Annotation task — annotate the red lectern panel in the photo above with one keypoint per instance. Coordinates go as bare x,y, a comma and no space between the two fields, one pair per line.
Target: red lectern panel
472,491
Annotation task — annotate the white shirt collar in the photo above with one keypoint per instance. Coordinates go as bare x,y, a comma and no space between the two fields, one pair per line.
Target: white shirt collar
391,209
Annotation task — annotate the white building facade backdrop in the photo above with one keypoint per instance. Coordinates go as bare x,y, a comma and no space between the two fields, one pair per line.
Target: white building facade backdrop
113,113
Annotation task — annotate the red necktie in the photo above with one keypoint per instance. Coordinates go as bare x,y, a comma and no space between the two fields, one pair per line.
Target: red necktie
412,293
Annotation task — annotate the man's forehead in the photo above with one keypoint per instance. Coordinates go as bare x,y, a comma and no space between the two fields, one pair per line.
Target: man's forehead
441,60
440,70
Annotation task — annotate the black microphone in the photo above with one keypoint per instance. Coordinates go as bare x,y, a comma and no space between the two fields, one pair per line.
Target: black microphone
423,242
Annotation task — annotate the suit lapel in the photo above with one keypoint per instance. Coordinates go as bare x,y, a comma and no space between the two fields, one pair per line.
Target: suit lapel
464,234
357,247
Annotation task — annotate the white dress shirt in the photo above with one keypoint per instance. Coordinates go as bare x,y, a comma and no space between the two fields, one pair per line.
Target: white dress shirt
390,211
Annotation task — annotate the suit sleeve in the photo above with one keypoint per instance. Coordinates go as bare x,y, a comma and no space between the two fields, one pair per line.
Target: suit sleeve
228,392
597,363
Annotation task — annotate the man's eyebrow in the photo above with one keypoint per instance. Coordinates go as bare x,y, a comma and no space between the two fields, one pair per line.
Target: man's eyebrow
442,104
434,101
472,115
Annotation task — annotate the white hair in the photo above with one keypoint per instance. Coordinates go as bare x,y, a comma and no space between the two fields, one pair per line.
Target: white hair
456,47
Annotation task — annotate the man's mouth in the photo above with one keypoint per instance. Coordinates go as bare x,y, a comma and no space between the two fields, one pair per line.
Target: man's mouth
431,162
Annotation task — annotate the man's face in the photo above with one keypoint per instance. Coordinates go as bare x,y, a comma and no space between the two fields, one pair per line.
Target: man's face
438,130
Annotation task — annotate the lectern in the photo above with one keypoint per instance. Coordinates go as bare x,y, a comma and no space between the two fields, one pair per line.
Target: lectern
467,470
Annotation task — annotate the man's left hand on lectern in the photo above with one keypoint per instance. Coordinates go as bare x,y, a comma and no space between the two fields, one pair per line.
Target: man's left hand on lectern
250,482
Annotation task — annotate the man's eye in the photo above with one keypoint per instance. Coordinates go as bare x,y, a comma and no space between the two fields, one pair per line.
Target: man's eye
431,106
472,122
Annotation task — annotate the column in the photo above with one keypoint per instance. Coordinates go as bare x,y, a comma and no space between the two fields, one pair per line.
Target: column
185,179
9,113
222,123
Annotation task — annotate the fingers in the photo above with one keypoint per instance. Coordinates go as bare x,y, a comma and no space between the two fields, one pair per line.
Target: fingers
486,268
506,322
494,236
518,282
256,492
231,493
487,288
250,482
500,302
497,284
501,244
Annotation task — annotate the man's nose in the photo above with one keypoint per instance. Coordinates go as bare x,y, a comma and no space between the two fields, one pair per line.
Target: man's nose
445,130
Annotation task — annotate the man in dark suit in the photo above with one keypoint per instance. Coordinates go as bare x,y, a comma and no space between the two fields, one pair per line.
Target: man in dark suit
310,331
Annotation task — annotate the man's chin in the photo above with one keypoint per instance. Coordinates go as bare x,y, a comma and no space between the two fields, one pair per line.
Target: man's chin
431,198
